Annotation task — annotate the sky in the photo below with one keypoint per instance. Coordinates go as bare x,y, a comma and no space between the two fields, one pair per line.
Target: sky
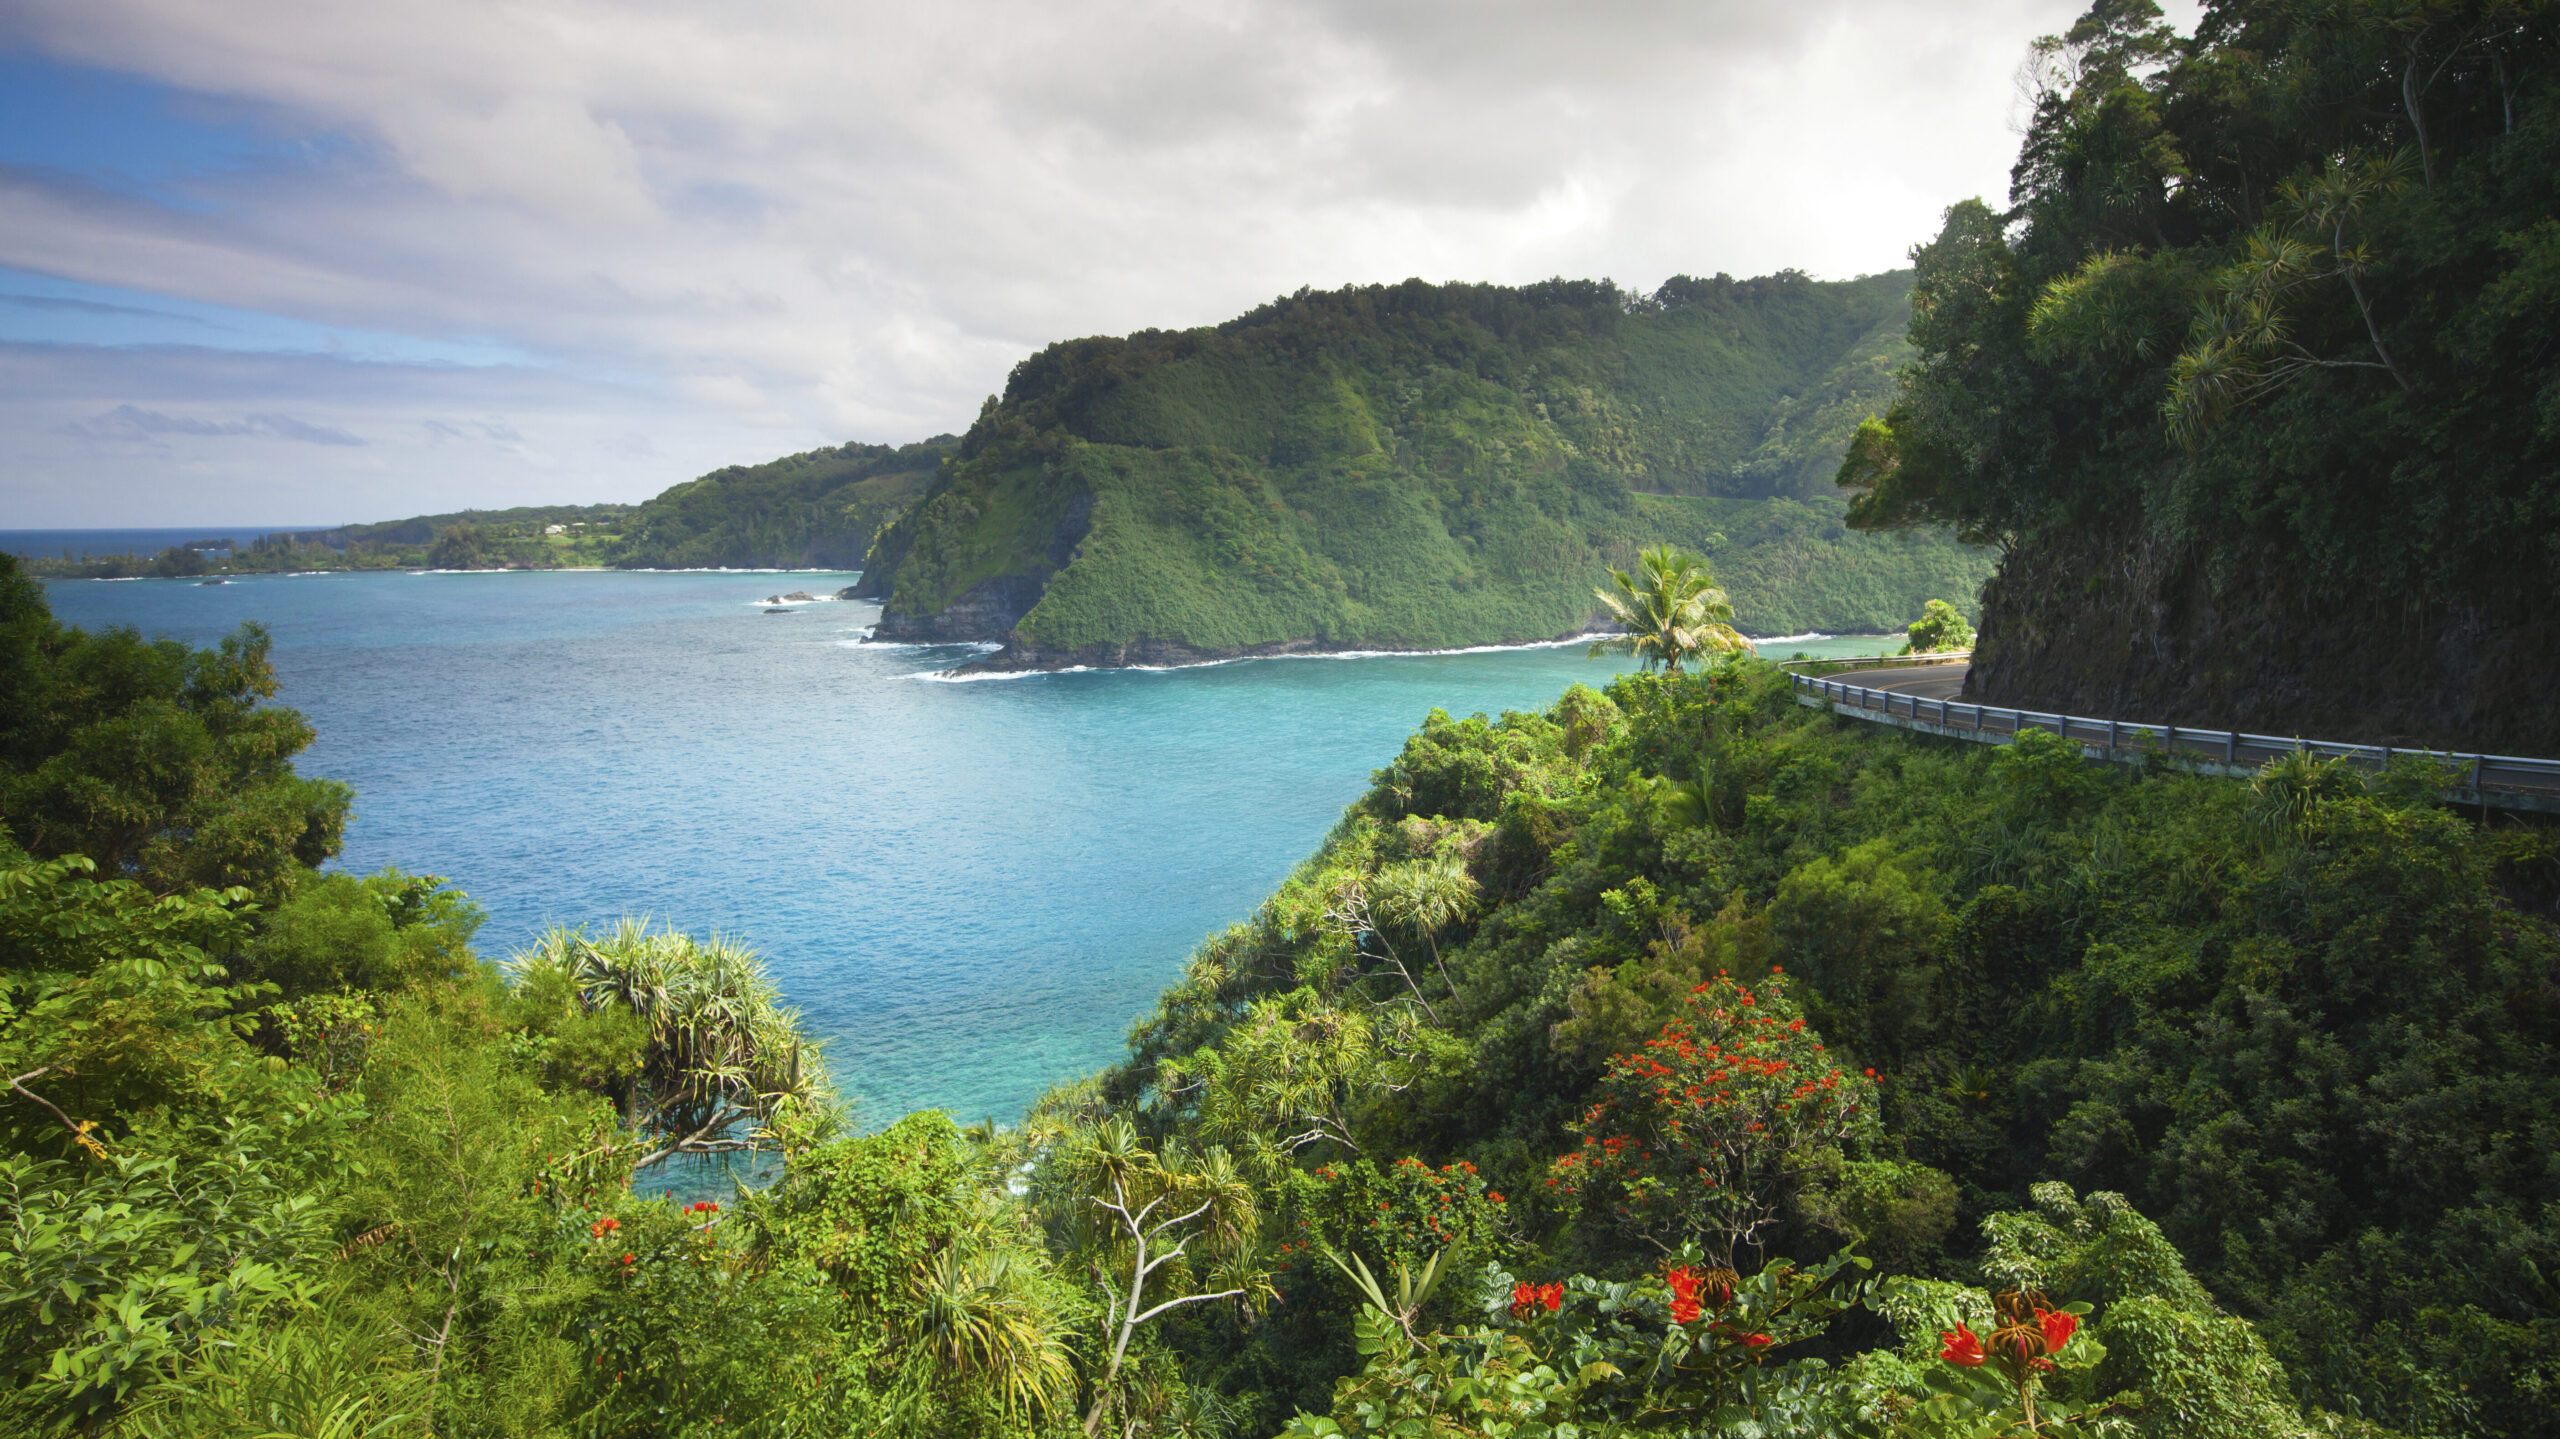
301,262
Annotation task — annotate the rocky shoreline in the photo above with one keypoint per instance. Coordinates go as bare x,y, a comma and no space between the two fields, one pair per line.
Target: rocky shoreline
1019,658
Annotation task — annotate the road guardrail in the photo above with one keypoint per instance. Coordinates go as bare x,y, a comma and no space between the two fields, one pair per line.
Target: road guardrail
2496,780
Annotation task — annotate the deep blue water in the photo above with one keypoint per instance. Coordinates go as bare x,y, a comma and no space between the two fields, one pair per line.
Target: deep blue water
970,888
52,544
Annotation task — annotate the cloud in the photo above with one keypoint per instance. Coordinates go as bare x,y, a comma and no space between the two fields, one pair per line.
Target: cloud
133,423
494,431
807,221
67,305
68,458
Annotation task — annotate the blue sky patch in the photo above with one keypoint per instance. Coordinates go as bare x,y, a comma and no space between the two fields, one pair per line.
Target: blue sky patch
46,310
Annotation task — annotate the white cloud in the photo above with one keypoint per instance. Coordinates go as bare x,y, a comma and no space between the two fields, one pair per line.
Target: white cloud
767,226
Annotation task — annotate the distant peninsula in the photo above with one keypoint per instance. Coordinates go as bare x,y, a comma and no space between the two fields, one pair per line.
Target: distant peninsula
816,510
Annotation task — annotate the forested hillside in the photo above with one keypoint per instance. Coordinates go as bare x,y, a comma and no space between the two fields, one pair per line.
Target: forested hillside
1413,466
816,510
1677,1061
2260,376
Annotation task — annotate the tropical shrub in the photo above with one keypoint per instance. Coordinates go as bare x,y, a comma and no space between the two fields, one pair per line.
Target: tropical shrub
1941,627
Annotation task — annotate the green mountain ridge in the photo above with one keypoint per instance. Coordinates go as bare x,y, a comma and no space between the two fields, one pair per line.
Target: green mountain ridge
1412,466
1416,466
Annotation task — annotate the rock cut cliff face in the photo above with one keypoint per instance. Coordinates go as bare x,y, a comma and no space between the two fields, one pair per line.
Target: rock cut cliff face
2138,631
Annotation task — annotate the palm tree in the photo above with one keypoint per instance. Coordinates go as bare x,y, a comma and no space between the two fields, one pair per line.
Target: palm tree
1670,610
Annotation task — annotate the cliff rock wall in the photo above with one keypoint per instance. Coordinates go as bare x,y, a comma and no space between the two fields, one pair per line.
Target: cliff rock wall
2130,630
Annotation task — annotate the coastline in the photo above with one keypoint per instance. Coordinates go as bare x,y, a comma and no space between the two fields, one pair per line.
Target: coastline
1003,663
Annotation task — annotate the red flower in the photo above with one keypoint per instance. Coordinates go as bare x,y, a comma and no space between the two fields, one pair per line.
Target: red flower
2058,1327
603,1227
1551,1297
1962,1348
1524,1297
627,1259
1496,1198
1684,1283
1756,1341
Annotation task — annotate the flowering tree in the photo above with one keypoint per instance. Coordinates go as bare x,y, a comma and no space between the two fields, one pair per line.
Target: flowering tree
1676,1352
1400,1217
1703,1136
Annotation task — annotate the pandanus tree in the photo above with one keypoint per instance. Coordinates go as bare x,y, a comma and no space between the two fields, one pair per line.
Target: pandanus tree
1669,611
1294,1075
980,1317
1156,1230
721,1059
1422,898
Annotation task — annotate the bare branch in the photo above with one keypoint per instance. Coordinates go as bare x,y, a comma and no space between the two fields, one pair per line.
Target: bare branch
1185,1299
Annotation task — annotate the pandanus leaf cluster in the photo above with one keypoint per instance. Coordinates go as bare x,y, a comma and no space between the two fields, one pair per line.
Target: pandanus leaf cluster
723,1057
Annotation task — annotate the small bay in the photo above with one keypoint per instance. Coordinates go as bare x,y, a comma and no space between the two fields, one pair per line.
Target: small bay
970,888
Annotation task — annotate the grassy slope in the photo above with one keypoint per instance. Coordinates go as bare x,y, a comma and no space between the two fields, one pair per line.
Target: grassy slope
1420,465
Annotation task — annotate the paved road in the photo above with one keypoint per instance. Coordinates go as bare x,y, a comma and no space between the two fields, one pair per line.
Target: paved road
1928,682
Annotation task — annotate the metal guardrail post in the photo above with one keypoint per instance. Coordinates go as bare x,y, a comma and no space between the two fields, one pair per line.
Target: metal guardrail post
2529,783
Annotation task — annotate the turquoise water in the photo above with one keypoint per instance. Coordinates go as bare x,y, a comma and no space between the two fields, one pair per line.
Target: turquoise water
970,888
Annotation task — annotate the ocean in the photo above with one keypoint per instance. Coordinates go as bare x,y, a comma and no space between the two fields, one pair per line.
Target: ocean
80,544
970,889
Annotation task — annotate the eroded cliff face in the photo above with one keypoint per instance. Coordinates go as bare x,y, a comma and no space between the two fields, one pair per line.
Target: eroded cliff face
986,611
984,614
2131,630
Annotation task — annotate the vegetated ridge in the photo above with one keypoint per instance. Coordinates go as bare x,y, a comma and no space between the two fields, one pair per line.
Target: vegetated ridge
1415,466
2259,379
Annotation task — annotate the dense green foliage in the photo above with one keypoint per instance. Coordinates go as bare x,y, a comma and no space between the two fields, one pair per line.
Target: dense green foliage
1418,465
2303,1024
1940,629
2259,369
154,760
1498,1118
815,510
